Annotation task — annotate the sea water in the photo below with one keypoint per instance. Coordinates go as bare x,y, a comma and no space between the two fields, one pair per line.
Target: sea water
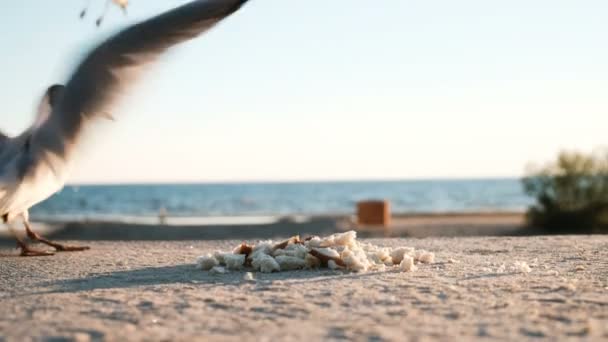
230,202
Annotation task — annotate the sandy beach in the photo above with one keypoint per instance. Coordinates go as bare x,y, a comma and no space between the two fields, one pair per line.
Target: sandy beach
150,290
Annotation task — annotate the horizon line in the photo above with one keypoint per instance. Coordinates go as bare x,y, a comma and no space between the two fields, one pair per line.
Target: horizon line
293,181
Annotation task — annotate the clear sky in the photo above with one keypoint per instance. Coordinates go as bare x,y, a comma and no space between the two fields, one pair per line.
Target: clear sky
331,89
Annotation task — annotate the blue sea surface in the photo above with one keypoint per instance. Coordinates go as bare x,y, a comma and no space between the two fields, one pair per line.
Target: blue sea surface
280,199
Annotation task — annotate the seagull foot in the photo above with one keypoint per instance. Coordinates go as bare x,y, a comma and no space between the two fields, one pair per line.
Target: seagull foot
29,252
68,248
58,247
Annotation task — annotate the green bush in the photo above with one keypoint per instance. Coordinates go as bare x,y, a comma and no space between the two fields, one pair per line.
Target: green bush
571,194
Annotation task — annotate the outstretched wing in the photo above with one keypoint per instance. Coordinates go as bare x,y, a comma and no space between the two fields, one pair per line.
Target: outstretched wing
109,68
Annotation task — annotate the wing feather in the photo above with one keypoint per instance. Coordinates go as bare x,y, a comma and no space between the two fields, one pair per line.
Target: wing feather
113,65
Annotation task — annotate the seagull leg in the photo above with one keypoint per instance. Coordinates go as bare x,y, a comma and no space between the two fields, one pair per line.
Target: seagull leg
59,247
25,250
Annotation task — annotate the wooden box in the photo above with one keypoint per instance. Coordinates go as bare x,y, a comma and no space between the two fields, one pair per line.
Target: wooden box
376,213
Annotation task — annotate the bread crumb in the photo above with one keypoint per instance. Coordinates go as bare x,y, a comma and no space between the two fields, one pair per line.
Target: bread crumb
263,247
424,256
355,260
265,263
398,253
332,265
234,261
219,256
427,257
337,251
293,250
243,248
260,250
315,241
248,276
346,239
206,262
287,263
339,239
311,262
329,252
375,254
407,264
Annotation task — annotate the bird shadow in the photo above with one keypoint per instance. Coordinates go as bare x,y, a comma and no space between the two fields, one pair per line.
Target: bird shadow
186,274
148,276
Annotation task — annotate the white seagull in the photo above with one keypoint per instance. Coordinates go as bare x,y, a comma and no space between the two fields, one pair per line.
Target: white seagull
34,165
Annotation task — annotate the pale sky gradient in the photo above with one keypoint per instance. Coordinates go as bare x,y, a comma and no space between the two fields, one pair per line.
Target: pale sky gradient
332,89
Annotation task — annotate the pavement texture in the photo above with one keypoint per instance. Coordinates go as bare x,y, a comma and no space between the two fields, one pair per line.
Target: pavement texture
514,288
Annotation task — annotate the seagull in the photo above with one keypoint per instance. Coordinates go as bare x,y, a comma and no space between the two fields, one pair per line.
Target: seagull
35,164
